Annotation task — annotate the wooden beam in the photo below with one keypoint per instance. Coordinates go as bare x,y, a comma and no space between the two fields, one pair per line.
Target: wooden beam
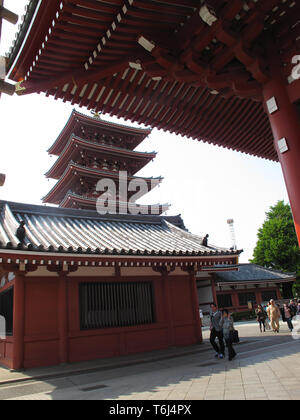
8,15
7,88
78,77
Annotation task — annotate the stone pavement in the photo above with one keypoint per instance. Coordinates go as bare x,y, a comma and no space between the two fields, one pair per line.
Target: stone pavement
267,367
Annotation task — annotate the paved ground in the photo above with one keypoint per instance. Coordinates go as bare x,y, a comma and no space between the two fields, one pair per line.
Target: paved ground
267,367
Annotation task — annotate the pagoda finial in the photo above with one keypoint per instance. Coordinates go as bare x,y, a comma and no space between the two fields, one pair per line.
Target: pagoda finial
96,114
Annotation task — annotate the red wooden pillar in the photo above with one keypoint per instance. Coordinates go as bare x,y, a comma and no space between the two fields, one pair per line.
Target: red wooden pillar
168,308
195,303
235,300
258,296
279,297
18,322
285,123
123,347
63,318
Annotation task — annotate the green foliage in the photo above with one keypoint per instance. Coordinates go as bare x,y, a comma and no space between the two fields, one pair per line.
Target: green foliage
243,315
296,286
277,246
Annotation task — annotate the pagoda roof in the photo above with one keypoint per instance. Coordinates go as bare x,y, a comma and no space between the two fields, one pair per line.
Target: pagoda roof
73,171
75,144
72,200
188,67
56,234
136,135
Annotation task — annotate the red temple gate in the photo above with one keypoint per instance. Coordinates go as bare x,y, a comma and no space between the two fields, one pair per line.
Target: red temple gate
221,71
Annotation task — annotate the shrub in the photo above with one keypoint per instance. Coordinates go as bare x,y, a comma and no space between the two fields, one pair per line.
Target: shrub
243,315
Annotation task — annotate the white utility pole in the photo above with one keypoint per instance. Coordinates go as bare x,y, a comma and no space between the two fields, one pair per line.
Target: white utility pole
232,234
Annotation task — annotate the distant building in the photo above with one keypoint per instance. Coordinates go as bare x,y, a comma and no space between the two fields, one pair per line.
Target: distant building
249,283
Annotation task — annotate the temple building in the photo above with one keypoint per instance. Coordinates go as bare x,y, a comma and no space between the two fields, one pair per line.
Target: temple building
220,71
90,150
79,284
84,286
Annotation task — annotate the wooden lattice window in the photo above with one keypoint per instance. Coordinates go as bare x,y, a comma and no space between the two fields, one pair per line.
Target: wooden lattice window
224,301
108,305
246,297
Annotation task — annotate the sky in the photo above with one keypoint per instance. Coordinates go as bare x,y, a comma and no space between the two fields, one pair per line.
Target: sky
206,184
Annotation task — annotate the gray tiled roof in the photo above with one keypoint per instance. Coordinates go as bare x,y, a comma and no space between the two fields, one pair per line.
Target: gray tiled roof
69,230
252,273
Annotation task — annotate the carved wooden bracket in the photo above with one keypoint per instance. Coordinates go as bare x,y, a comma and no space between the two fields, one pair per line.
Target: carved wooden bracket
163,269
62,268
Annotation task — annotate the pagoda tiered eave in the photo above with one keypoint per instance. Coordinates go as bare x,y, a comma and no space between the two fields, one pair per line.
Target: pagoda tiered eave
75,201
74,172
131,137
77,145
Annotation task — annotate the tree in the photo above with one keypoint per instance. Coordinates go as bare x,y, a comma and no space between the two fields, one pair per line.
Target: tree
277,245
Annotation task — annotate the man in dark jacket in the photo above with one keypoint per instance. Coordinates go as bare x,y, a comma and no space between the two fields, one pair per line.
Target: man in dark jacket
216,331
293,308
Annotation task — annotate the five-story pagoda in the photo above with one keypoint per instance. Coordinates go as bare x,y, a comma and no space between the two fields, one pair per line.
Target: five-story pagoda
91,150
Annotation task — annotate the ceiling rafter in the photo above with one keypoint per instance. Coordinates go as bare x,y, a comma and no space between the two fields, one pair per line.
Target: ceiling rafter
204,65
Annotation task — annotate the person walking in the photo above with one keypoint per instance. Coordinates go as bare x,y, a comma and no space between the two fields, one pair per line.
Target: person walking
293,308
298,307
216,331
274,315
201,316
261,317
287,316
227,327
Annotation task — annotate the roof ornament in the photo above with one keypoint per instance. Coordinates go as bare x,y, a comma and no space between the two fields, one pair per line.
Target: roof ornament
96,114
19,89
205,239
21,232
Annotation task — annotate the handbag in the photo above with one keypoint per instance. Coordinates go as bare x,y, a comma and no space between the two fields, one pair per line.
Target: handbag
235,336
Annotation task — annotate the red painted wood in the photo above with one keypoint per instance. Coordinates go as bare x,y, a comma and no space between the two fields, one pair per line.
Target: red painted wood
51,335
285,123
188,51
18,322
62,317
195,306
